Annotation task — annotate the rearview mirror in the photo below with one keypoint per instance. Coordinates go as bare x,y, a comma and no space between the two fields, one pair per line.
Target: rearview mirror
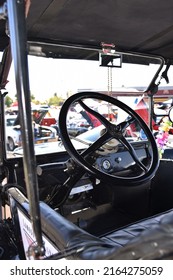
111,60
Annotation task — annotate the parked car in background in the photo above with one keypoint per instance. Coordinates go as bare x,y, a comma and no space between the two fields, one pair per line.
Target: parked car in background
80,121
43,119
13,135
73,129
48,121
42,133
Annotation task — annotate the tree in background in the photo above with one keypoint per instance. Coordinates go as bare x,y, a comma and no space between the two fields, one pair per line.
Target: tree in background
32,98
8,101
55,100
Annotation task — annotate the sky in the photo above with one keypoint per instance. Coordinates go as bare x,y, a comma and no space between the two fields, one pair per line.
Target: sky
49,76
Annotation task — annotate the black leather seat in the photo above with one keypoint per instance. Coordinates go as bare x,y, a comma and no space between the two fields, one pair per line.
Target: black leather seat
151,238
122,236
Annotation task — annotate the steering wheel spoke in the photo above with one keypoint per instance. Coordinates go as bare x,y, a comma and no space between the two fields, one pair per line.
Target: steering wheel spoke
97,144
125,124
133,154
103,120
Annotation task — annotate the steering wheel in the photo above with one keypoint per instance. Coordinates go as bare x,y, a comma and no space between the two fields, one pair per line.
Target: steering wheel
112,131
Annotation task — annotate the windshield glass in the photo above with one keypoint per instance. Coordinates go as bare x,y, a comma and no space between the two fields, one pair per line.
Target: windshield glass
52,81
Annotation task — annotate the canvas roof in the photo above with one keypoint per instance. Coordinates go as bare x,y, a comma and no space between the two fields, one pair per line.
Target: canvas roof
131,25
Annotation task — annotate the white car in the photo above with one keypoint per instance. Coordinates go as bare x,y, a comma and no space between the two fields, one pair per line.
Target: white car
13,132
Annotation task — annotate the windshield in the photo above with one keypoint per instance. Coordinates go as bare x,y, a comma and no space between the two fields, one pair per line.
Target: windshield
52,81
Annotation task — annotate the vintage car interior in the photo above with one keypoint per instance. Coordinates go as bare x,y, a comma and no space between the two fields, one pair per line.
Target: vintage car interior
108,198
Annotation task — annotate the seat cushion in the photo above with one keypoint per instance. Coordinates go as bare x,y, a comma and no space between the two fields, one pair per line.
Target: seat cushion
123,235
153,243
150,238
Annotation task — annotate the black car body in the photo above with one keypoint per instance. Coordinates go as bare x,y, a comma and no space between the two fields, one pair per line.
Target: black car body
113,199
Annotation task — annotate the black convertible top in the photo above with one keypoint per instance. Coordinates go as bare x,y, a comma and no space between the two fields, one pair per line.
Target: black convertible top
140,26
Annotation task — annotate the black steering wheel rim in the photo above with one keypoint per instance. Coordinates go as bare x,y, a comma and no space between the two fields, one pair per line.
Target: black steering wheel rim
80,160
